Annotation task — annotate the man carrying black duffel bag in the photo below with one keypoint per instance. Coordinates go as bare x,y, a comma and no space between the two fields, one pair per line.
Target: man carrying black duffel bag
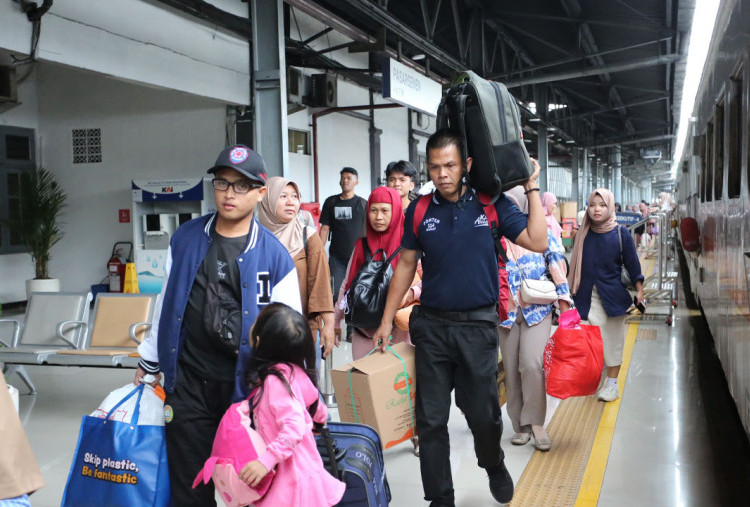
455,329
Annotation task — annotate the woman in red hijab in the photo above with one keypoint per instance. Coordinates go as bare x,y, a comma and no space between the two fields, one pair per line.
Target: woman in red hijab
385,226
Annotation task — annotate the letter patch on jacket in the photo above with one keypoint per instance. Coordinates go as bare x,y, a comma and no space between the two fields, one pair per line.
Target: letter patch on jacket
264,288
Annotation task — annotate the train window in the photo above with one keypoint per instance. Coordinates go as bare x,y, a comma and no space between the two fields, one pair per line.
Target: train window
735,136
719,150
708,163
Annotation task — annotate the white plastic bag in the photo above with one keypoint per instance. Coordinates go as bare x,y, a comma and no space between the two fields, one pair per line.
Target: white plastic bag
152,406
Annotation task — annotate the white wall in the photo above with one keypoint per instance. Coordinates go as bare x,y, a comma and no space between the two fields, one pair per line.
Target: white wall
140,41
15,269
146,133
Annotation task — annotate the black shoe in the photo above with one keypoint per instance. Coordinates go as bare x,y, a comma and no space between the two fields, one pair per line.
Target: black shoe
501,483
436,503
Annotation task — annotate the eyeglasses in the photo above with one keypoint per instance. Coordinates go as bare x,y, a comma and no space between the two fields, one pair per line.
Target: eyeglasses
239,186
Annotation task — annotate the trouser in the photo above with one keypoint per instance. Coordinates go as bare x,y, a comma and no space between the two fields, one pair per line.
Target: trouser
522,347
460,355
338,272
612,329
198,405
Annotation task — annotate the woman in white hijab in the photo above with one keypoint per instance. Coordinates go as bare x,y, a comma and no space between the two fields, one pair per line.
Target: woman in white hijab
278,212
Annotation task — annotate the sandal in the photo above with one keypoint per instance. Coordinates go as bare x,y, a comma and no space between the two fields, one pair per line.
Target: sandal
541,438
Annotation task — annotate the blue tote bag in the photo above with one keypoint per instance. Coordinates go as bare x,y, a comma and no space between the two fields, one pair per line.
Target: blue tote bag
118,463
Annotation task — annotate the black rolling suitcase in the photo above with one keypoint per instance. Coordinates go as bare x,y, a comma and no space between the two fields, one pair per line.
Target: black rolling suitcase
487,116
358,461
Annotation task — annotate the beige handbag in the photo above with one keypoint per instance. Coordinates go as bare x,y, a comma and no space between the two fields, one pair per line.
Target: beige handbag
537,292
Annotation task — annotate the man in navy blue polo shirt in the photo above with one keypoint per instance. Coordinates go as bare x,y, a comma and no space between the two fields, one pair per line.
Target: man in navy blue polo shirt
455,329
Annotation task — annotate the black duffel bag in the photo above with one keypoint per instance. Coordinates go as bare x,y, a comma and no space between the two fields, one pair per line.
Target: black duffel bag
365,301
487,116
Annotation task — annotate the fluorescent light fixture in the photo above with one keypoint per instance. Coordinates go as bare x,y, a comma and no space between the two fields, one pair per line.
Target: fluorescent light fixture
418,56
570,141
704,19
534,120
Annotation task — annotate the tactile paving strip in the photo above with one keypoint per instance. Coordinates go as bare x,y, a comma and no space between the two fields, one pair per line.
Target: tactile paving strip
646,334
553,478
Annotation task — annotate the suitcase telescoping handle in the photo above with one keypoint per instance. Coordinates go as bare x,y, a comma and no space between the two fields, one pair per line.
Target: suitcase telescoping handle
332,462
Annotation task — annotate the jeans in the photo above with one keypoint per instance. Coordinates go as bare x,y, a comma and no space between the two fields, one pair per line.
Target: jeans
338,271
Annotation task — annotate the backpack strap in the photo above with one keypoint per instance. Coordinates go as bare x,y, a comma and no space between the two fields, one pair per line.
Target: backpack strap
488,205
419,212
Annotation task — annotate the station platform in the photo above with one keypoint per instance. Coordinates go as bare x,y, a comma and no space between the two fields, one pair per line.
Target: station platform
672,439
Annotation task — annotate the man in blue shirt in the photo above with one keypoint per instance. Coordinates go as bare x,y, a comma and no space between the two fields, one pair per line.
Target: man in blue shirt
455,329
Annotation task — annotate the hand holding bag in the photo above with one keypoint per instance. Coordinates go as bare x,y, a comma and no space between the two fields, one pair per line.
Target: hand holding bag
536,292
118,463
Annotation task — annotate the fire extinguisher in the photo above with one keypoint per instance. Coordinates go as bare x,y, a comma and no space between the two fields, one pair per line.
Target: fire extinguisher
116,270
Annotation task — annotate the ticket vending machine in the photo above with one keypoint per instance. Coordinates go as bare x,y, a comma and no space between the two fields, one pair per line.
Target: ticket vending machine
159,208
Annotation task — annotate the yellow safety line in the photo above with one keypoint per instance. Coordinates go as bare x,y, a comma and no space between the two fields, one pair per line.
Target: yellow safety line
591,485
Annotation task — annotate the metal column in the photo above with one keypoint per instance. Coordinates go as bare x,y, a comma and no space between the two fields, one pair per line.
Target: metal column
269,85
542,144
575,169
617,173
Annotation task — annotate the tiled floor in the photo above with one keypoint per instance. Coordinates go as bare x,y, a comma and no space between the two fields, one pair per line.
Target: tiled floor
661,452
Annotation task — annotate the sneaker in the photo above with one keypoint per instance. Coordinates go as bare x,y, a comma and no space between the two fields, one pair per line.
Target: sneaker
609,392
501,483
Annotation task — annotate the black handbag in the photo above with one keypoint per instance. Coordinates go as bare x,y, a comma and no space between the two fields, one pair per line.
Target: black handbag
365,301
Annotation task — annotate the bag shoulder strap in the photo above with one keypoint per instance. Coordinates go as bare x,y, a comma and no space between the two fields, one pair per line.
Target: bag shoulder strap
419,212
304,239
366,250
488,206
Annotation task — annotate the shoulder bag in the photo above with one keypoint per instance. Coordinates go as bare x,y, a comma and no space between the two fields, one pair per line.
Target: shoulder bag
624,273
537,292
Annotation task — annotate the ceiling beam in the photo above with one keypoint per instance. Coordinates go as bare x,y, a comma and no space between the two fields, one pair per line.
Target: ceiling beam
207,12
595,71
404,32
626,141
608,109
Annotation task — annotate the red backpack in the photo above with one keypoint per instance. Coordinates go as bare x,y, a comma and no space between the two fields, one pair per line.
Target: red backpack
488,205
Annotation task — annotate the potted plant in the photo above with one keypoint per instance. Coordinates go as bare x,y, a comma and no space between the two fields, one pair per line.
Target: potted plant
37,225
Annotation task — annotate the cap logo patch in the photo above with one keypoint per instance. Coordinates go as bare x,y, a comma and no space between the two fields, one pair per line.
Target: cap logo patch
239,155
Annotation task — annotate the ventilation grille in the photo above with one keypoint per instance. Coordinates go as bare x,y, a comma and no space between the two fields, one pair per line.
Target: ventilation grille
87,146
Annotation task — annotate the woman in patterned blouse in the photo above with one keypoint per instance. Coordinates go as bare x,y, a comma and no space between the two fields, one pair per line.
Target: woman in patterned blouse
524,334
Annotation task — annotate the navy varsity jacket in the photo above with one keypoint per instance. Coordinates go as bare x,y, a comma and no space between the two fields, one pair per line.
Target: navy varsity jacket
267,275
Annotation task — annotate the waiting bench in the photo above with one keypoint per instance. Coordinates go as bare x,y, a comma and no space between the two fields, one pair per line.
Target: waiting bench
57,331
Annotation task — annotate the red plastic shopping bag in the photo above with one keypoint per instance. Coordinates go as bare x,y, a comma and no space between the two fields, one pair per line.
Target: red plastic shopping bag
573,361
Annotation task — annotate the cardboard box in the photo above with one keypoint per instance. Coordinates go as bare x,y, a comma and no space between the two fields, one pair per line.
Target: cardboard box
556,214
380,393
569,209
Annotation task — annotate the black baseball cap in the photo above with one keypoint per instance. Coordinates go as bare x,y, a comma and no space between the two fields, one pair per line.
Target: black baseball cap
243,160
350,170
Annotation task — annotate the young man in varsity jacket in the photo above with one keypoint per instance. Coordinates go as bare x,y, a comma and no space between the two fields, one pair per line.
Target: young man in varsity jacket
221,270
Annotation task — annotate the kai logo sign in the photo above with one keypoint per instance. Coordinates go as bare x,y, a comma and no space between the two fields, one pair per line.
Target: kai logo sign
399,383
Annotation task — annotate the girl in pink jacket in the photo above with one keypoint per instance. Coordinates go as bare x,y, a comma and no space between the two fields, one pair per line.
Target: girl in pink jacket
282,377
